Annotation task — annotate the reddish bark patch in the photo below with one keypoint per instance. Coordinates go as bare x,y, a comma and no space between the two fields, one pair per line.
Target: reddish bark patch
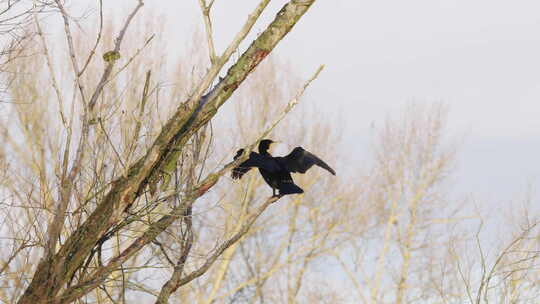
126,199
259,55
231,86
203,188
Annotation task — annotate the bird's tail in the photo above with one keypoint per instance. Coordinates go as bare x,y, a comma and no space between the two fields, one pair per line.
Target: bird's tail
289,188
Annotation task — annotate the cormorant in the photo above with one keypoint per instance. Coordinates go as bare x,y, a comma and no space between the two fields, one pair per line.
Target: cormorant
276,171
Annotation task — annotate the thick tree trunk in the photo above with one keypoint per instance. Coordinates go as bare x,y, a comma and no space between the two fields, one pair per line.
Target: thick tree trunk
53,273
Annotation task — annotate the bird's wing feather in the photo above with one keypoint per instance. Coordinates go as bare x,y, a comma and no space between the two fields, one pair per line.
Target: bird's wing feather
254,160
300,160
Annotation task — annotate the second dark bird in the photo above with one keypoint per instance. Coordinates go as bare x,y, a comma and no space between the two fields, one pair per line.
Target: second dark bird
276,171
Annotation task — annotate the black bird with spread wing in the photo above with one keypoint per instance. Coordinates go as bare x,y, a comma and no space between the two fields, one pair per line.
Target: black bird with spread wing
276,171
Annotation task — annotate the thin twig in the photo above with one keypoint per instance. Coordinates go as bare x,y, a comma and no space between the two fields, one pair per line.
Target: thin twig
71,47
111,143
110,64
160,246
93,51
208,26
139,50
138,124
54,82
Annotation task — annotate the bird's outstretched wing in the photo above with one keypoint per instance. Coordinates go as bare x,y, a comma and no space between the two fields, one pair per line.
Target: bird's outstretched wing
300,160
254,160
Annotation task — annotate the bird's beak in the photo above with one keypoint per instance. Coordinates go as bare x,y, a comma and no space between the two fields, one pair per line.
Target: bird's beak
276,142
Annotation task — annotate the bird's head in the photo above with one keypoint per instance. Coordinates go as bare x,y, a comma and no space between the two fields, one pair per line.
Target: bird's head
264,145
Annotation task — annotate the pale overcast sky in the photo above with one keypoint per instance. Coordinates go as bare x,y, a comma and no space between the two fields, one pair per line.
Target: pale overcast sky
480,57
